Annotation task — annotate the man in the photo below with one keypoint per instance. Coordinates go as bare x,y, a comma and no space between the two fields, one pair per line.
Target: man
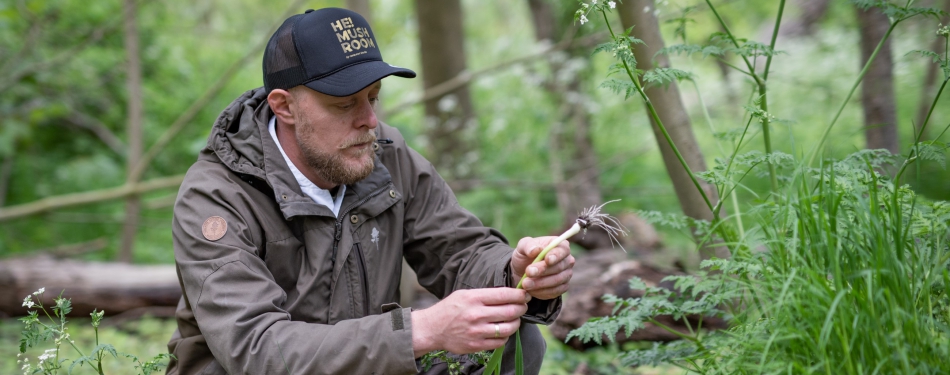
291,227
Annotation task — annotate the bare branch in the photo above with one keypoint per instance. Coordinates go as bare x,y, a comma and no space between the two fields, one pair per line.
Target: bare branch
465,77
73,249
96,196
198,105
97,128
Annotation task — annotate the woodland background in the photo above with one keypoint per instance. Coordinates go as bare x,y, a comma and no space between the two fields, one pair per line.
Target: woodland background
104,105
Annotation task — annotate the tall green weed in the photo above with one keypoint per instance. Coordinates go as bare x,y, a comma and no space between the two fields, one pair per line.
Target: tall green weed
844,270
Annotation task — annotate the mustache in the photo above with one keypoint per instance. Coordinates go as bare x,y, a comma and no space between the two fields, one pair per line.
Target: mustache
363,138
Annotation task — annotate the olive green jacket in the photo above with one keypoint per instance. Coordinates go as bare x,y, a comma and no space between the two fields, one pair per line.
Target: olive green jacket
290,288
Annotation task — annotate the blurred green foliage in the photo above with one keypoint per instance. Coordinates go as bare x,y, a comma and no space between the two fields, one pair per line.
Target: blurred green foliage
186,46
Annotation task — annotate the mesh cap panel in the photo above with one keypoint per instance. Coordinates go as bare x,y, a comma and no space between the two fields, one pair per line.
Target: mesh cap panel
282,66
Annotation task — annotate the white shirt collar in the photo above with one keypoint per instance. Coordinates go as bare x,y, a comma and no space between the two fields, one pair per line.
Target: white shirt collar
321,196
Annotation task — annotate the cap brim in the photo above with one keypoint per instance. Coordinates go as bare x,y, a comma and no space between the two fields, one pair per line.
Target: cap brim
352,79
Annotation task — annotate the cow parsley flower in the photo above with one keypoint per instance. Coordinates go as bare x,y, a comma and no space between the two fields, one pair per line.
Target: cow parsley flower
40,291
583,19
28,302
612,4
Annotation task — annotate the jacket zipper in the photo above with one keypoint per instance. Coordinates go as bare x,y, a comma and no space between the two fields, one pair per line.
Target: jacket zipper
338,234
362,268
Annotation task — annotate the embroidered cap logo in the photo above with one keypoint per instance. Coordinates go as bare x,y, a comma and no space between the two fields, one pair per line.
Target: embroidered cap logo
351,38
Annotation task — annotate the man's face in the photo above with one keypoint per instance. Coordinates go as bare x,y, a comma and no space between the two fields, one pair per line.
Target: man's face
336,134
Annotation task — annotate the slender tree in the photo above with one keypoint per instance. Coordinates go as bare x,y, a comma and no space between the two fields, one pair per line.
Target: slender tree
877,89
812,11
669,107
571,150
449,117
133,65
361,7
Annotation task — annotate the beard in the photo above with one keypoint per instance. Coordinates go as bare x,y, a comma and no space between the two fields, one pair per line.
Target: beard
333,167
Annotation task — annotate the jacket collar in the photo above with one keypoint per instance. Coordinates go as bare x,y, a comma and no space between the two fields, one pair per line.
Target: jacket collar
241,141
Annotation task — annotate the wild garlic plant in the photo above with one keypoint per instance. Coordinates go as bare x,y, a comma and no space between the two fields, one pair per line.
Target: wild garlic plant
589,217
851,272
36,332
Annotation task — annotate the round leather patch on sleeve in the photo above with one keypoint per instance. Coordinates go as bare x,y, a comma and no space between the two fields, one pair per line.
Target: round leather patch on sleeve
214,228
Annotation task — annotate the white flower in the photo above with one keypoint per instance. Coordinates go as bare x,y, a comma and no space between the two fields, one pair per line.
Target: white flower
612,4
28,302
583,19
40,291
594,2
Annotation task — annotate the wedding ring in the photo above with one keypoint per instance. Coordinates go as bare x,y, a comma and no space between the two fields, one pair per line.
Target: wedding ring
497,330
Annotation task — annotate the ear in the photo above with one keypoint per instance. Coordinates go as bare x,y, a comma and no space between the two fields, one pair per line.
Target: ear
280,102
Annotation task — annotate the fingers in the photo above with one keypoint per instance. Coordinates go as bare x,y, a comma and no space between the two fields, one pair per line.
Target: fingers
549,267
549,286
498,296
501,330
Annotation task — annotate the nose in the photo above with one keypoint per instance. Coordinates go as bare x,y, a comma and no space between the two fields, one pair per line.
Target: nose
366,116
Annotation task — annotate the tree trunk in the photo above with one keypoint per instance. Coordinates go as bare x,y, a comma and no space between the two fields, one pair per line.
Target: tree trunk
573,161
113,287
361,7
134,125
812,11
930,77
669,107
877,89
450,118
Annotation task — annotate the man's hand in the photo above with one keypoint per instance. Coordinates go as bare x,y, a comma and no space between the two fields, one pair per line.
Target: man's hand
469,321
548,278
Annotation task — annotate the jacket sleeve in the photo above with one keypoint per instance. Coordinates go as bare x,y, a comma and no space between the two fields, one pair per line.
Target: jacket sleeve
447,246
238,304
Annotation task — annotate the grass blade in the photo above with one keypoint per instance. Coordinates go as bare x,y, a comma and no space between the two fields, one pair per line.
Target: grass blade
519,357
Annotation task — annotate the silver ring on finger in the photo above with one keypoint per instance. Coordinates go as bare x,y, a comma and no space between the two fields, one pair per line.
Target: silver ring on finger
497,331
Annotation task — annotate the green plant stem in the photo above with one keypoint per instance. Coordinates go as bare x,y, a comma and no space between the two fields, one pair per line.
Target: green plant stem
864,71
99,356
763,93
679,334
761,82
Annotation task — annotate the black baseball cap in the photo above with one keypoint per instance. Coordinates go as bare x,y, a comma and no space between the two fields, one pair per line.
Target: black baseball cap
329,50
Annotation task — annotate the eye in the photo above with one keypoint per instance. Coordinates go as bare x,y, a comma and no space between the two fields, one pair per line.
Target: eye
374,101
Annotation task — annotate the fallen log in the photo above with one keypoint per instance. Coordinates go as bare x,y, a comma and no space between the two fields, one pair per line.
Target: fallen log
113,287
608,272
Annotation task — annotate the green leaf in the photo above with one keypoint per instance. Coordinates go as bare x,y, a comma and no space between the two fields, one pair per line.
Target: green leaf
494,363
665,76
620,87
925,53
519,356
933,151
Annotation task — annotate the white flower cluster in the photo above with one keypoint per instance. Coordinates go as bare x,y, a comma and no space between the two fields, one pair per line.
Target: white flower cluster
943,30
48,354
28,300
587,8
